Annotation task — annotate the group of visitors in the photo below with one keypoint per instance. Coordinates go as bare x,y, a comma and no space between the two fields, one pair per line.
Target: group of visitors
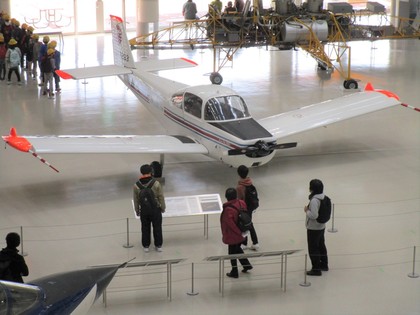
21,50
189,9
149,203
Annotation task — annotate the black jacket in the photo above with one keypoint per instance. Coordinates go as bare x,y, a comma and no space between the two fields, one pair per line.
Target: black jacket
18,265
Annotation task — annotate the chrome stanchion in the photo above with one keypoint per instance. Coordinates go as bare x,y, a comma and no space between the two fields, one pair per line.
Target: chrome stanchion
305,283
128,245
333,229
414,274
21,242
104,298
192,281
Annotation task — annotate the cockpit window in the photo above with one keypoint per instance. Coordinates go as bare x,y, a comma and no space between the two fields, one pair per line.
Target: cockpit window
16,298
193,104
225,108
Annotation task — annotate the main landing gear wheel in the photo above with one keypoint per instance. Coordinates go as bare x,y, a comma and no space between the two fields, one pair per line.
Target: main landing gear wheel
216,78
350,84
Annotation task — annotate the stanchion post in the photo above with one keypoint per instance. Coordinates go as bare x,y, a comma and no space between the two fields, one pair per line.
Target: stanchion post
128,245
305,283
21,242
414,274
192,281
332,229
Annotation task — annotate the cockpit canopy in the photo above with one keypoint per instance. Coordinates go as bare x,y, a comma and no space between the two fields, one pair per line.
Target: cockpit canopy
216,108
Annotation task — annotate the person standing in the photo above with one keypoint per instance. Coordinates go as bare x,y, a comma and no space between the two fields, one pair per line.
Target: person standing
153,215
48,68
239,5
3,51
231,234
244,182
13,56
13,265
189,10
315,230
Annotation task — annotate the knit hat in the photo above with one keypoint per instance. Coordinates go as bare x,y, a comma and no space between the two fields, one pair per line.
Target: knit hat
12,42
35,36
13,240
31,28
46,39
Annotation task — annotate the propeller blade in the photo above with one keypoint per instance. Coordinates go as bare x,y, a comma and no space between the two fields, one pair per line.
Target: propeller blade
284,145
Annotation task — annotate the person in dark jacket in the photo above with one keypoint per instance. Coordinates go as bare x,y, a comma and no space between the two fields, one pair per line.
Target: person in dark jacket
150,219
244,181
231,234
17,267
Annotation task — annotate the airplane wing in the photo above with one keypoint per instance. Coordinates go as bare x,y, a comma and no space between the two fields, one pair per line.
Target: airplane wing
164,64
104,144
328,112
93,72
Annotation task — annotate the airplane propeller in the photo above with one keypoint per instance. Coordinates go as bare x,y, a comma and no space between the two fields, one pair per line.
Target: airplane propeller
261,148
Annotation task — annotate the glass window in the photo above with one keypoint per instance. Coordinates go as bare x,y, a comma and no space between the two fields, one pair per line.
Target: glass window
225,108
193,104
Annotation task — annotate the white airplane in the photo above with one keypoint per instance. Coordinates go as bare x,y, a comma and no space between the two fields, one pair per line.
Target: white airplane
206,119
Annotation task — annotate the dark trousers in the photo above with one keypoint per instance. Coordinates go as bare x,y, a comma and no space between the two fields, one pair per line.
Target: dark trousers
2,69
15,70
252,232
317,249
236,249
147,221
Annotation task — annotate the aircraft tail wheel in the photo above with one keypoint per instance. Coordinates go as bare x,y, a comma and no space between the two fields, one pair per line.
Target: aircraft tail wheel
350,84
156,169
216,78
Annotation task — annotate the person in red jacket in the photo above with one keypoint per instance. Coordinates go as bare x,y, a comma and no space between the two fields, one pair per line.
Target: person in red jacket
231,234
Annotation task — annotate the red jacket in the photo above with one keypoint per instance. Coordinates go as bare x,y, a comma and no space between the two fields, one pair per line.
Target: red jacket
231,234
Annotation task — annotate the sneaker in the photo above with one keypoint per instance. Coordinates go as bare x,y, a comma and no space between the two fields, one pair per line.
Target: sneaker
244,247
255,247
314,272
325,268
158,248
232,275
57,90
247,268
146,249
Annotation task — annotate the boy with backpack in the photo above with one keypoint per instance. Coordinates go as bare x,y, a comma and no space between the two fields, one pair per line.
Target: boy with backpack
48,68
248,193
12,265
13,56
149,204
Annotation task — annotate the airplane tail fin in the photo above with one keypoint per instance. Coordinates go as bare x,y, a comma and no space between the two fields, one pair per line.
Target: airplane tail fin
122,53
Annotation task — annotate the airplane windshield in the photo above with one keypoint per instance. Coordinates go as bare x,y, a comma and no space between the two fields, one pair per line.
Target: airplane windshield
225,108
16,298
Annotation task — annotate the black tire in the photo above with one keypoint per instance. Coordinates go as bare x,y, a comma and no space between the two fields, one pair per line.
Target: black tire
350,84
216,78
156,169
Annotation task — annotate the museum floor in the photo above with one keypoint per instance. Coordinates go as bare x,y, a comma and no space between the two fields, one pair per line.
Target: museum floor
370,167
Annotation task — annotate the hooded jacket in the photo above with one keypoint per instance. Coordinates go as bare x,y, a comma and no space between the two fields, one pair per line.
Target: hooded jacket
312,213
231,234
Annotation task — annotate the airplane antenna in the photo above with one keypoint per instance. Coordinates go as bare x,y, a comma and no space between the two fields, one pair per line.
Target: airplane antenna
43,160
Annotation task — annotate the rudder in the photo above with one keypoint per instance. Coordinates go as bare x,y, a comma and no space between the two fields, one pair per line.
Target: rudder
122,53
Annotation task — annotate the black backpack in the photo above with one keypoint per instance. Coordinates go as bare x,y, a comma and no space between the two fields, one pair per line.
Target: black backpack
5,272
324,213
244,220
147,200
251,198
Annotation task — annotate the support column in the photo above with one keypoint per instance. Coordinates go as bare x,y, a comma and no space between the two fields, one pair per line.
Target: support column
100,16
147,12
5,6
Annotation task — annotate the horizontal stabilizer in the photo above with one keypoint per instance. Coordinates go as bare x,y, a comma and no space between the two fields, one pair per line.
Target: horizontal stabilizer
93,72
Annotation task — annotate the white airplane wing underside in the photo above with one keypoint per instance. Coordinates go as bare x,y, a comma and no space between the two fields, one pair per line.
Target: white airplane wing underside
114,144
326,113
164,64
93,72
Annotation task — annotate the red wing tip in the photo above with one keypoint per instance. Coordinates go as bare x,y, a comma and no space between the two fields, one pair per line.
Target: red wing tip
64,75
116,18
17,142
190,61
369,87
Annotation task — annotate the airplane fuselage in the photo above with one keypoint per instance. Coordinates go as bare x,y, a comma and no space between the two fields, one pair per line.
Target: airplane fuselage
205,114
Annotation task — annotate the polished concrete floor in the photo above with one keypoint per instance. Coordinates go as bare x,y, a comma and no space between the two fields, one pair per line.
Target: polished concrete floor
370,166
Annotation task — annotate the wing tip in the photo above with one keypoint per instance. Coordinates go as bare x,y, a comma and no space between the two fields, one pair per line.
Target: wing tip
369,87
